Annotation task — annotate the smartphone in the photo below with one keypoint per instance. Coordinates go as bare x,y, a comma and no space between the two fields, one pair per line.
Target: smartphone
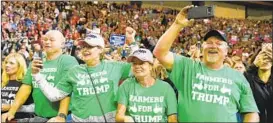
39,55
201,12
199,45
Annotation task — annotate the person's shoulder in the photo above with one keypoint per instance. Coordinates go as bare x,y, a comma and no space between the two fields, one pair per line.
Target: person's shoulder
233,71
235,75
184,58
163,83
129,81
115,63
66,57
76,67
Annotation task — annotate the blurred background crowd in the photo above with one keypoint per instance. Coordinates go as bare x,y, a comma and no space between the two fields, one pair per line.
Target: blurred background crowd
23,24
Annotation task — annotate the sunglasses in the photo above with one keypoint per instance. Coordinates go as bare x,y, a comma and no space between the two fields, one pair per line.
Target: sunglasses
87,47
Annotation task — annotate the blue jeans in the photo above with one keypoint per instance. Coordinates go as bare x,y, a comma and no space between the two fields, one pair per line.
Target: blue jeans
69,118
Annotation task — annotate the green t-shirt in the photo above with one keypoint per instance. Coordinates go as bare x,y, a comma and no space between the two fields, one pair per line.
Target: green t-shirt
152,104
105,76
207,95
52,70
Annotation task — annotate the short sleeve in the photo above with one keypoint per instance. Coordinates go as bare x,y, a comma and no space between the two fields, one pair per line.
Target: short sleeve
122,95
65,83
28,78
125,69
68,62
247,102
171,101
179,67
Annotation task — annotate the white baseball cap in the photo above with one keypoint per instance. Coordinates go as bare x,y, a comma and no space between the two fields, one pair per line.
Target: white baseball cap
94,40
142,54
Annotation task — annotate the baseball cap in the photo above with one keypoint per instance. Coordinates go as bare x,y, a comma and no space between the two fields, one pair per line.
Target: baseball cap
219,33
142,54
93,40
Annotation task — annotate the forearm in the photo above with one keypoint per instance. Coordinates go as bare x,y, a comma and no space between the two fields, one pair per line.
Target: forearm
5,107
20,98
251,117
120,115
27,108
120,118
51,92
64,105
172,118
166,40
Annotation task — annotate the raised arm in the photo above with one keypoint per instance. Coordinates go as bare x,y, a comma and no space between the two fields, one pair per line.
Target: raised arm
162,48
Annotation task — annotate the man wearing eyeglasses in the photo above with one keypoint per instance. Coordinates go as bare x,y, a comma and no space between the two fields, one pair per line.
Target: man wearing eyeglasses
209,91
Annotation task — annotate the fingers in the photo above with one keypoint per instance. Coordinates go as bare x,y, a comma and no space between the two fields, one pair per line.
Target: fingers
130,30
185,10
191,22
37,62
4,117
37,65
10,118
51,120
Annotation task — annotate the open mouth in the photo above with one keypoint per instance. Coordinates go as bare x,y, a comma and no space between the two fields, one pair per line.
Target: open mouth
213,52
138,71
47,47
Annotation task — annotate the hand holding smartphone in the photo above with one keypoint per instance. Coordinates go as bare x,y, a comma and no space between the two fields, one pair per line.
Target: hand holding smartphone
40,53
201,12
37,63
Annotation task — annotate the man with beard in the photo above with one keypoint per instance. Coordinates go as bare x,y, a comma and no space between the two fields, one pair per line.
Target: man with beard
209,91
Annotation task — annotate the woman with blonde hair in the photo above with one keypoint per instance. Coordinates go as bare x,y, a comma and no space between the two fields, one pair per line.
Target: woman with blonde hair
14,69
141,98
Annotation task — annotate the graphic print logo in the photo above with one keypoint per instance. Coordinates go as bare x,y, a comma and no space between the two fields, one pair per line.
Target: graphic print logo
11,95
225,90
158,109
199,86
133,108
49,77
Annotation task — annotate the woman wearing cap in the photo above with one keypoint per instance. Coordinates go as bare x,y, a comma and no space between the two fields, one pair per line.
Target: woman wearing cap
89,104
142,98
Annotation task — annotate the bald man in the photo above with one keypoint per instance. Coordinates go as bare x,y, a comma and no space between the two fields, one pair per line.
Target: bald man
52,67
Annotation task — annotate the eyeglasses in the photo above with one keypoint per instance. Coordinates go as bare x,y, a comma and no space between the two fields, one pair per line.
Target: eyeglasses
218,44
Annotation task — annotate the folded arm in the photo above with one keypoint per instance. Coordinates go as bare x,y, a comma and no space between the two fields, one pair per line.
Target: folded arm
51,92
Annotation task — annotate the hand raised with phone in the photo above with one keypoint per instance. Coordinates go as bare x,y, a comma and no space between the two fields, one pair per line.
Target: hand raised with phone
182,19
37,63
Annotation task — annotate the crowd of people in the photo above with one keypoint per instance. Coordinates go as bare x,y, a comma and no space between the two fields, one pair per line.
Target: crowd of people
78,62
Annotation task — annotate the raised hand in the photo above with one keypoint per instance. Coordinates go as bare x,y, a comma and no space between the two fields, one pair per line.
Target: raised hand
182,19
130,35
36,66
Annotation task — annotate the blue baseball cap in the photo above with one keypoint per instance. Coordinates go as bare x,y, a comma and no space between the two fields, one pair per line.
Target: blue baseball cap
219,33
